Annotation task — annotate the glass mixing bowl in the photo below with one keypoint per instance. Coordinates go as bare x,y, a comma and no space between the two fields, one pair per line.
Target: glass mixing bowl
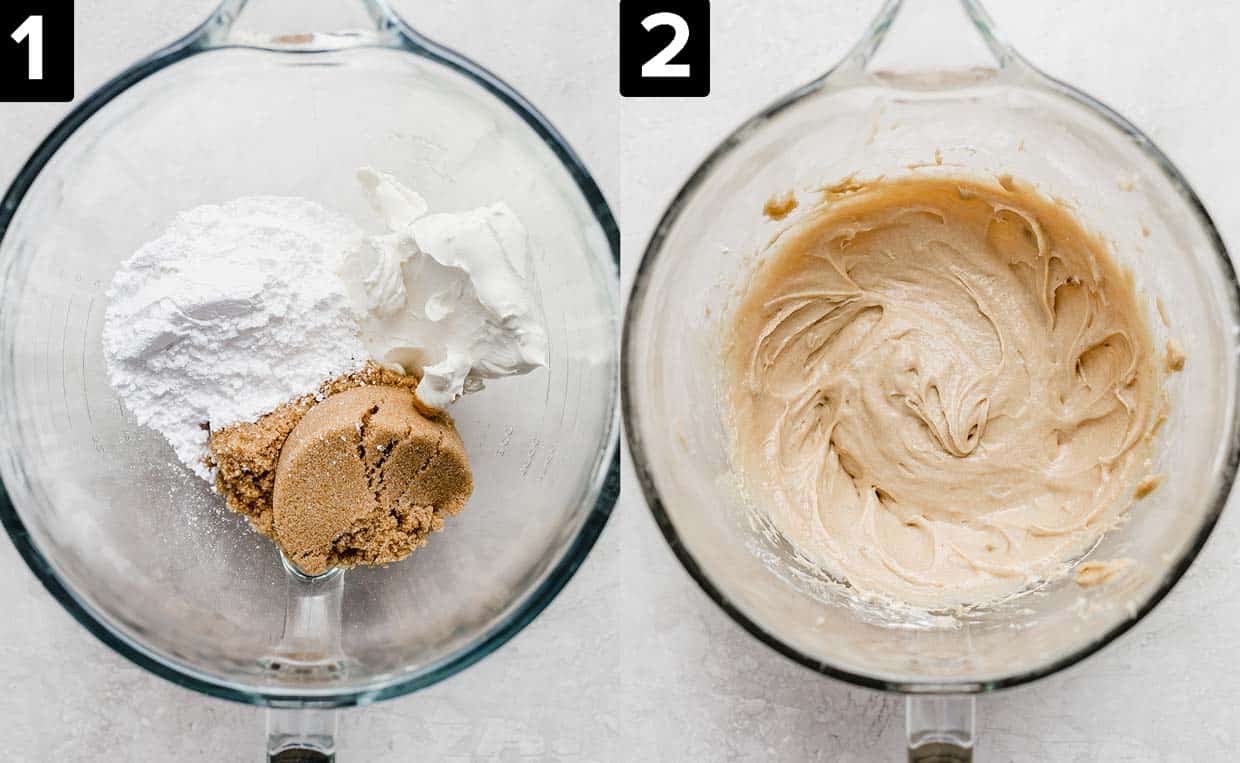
141,552
930,89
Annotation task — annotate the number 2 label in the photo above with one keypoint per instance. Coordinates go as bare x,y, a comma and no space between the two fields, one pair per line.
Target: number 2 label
665,48
660,65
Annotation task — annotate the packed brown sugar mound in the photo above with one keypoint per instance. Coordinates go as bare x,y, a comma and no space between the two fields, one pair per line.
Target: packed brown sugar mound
359,474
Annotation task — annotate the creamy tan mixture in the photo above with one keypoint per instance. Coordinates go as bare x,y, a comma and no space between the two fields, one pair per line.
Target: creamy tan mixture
941,389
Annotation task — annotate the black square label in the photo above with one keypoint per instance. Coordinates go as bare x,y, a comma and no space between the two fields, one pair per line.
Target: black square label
665,48
36,50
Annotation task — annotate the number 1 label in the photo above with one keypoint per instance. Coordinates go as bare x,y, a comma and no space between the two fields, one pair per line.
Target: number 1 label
36,50
31,30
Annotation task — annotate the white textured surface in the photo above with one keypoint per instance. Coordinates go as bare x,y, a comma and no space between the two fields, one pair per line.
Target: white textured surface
234,309
632,662
455,286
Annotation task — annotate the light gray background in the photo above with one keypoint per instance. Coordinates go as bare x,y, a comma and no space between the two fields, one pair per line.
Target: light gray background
632,662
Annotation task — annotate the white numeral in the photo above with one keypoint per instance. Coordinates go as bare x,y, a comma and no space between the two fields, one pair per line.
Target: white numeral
32,30
659,66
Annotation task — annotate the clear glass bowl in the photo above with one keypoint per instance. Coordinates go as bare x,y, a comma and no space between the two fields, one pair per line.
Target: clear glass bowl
142,553
930,89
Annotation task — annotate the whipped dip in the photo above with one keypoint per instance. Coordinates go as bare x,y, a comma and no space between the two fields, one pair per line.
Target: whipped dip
448,295
942,390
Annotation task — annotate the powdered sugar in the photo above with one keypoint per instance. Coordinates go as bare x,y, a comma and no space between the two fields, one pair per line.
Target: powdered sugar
233,311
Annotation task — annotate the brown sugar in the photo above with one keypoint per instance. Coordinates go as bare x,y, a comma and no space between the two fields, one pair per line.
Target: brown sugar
360,473
364,478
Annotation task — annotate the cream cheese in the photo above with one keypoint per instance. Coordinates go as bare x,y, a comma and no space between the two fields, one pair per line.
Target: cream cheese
451,296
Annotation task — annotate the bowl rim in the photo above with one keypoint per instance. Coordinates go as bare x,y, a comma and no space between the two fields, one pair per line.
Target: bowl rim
604,487
823,87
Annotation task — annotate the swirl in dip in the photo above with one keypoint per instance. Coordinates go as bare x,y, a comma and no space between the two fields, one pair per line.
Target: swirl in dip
940,389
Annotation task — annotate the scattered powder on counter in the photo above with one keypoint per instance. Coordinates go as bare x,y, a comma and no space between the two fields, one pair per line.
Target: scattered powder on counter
230,313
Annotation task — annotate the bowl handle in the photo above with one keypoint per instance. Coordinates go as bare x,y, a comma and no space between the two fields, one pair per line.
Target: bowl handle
931,43
301,732
940,728
301,735
289,25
